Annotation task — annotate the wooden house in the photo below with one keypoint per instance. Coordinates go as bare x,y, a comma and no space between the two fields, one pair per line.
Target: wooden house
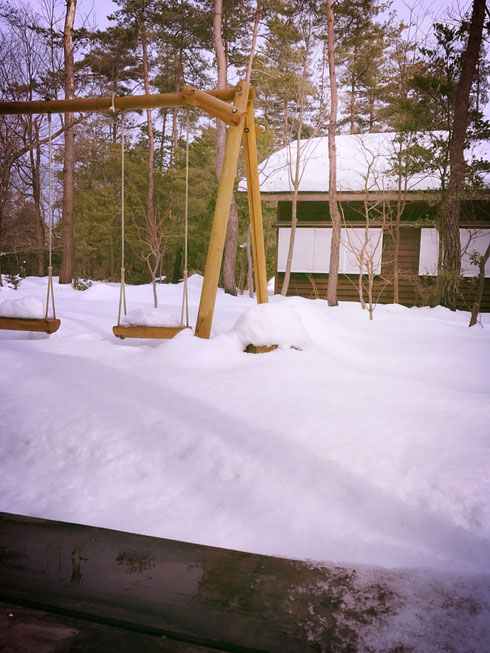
373,198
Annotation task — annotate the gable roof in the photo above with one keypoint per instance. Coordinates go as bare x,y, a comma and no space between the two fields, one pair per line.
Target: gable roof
363,163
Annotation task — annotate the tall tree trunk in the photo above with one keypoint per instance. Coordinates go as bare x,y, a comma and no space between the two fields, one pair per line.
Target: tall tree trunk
162,140
396,232
36,193
333,273
295,178
112,258
151,225
66,273
231,243
179,73
451,257
250,267
352,105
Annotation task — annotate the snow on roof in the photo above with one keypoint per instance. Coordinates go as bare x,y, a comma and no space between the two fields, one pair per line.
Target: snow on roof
363,162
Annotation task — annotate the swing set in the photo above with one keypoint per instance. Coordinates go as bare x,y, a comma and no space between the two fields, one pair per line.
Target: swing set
234,107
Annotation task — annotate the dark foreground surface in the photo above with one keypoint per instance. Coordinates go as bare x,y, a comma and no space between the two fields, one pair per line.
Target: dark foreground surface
67,587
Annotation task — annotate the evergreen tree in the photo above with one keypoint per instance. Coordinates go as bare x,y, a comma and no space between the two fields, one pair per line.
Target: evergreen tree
361,44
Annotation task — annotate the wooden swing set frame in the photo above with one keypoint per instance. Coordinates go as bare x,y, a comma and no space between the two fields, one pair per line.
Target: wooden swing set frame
233,106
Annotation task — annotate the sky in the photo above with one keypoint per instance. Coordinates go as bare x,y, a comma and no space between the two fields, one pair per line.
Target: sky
98,10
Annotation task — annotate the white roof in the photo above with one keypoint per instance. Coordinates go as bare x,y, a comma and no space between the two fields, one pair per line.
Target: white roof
363,161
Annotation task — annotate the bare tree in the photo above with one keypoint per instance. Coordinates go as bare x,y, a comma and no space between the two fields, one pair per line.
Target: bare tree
365,246
66,272
481,286
154,241
333,273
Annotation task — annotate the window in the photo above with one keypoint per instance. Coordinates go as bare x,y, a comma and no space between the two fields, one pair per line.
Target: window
471,240
312,249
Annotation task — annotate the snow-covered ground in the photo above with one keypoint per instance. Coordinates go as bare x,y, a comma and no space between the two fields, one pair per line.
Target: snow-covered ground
369,445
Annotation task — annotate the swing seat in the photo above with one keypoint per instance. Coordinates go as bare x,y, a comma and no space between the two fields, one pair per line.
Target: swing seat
156,332
42,325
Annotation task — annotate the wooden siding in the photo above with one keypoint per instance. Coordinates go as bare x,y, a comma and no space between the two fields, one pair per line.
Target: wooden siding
412,289
423,213
408,255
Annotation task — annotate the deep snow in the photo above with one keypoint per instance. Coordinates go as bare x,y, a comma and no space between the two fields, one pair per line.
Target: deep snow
368,446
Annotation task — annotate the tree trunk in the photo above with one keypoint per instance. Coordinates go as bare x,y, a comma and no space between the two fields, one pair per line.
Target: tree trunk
294,222
296,177
352,105
451,260
66,273
175,125
151,225
35,158
231,243
176,275
162,140
231,246
481,287
250,266
396,233
333,273
112,259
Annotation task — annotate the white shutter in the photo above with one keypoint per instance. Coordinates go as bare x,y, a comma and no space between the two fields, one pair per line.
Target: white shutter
351,243
302,252
312,248
429,252
473,240
321,249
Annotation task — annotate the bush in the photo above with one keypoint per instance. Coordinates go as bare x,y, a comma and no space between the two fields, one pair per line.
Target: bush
81,284
14,281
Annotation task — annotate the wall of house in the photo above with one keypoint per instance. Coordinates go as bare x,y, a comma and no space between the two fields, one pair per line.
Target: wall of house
417,254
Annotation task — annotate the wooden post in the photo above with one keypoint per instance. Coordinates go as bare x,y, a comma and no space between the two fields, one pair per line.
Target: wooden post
220,220
255,207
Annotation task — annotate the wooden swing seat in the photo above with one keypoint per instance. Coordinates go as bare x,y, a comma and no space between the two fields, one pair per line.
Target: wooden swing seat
42,325
259,349
156,332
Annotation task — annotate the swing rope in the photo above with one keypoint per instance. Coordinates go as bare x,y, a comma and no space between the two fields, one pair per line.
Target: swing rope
122,292
50,223
185,297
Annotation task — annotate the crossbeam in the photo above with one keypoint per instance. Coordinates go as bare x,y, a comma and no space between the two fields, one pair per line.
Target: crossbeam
123,103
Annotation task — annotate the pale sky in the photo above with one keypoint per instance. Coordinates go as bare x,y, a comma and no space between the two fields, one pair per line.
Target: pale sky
99,9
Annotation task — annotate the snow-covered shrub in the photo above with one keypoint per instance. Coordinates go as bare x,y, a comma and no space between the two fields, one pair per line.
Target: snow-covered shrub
81,284
14,281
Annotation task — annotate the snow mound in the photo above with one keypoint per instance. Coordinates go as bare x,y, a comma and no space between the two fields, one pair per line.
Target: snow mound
152,317
100,291
196,281
27,307
271,324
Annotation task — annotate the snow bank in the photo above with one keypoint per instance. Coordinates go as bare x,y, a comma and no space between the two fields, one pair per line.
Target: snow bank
370,446
25,307
152,317
271,324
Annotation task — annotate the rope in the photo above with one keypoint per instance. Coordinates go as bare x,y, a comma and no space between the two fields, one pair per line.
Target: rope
50,223
185,296
122,292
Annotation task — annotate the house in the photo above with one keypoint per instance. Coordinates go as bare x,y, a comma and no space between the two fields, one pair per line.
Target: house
373,201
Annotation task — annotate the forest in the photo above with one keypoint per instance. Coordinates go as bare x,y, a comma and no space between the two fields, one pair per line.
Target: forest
392,75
